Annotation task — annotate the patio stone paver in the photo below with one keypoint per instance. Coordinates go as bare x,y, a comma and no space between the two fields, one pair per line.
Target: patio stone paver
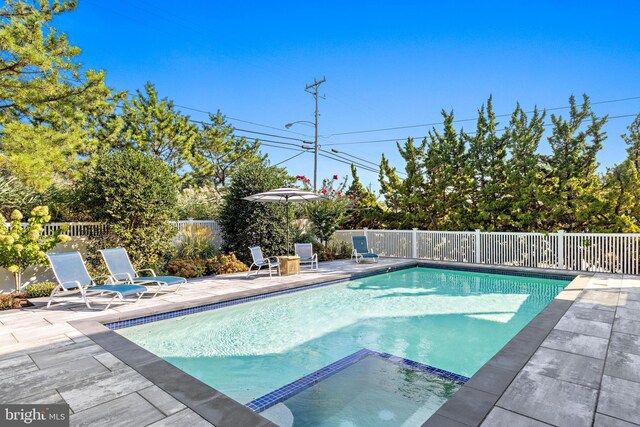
162,400
102,388
550,400
584,326
574,368
607,421
572,342
16,366
628,343
125,411
186,417
623,365
620,399
57,356
626,326
499,417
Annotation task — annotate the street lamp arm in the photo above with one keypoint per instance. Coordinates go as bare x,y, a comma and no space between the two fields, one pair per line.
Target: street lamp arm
288,125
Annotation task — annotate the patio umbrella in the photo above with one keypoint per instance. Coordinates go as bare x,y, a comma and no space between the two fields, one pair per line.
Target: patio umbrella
286,195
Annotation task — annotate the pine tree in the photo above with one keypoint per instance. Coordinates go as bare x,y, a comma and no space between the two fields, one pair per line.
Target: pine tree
48,104
576,203
446,183
527,184
364,211
486,167
217,153
153,126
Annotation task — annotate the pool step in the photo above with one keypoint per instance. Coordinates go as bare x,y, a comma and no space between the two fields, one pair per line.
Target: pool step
285,392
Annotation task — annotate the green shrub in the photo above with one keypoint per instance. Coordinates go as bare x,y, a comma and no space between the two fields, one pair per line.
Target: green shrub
37,290
186,267
136,195
11,301
334,250
246,223
195,242
225,264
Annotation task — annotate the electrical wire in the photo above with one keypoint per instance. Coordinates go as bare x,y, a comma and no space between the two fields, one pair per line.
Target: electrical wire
290,158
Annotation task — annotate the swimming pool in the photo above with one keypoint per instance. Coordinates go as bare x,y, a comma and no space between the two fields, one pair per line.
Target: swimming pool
452,320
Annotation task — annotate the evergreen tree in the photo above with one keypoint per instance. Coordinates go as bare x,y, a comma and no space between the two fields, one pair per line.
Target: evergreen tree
217,153
446,183
153,126
527,186
47,103
576,202
486,167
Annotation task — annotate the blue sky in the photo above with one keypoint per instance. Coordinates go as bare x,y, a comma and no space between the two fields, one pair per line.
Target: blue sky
387,64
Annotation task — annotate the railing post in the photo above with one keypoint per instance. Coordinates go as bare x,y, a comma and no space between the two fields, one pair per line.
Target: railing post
477,242
414,243
364,232
560,249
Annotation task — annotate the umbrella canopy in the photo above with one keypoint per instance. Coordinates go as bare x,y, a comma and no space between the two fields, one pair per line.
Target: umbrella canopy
286,195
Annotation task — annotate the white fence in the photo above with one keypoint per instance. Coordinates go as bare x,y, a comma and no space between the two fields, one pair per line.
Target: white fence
601,252
96,229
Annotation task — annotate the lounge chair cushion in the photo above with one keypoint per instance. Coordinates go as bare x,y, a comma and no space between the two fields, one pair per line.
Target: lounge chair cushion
165,280
273,263
307,259
124,290
369,255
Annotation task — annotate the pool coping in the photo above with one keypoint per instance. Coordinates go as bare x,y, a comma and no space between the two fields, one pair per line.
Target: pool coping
221,410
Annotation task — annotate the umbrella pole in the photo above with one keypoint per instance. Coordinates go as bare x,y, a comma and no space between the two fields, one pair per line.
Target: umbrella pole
287,202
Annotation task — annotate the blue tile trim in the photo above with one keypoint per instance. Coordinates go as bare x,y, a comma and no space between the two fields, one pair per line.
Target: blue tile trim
291,389
214,306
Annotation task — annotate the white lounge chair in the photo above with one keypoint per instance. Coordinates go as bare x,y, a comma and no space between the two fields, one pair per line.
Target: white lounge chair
260,261
361,249
305,252
121,269
72,275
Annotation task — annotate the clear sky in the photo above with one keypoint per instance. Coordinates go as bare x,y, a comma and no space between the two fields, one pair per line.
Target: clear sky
387,64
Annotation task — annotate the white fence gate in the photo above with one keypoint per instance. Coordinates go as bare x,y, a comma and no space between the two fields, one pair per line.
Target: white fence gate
598,252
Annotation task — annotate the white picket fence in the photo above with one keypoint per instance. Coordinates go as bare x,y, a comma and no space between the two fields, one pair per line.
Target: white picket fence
96,229
598,252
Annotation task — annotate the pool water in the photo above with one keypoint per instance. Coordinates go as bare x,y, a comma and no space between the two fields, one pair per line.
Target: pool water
372,392
452,320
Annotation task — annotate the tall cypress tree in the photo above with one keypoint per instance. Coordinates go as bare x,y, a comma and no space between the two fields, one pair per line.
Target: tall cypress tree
576,202
527,183
486,165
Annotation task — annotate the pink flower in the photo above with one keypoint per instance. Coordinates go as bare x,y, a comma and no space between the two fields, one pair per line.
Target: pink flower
335,177
339,193
324,191
350,196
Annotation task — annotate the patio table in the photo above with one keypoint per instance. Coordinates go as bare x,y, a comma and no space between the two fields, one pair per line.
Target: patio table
289,264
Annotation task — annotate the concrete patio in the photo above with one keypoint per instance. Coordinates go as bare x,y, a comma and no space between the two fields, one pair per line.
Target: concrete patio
576,364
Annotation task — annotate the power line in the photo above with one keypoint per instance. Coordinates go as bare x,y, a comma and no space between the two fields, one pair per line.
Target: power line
610,101
425,136
290,158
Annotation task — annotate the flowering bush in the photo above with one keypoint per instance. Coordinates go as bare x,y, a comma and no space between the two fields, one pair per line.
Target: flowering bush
225,264
186,267
326,215
22,246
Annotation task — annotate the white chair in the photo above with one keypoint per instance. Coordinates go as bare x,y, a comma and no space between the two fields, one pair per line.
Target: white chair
260,261
305,252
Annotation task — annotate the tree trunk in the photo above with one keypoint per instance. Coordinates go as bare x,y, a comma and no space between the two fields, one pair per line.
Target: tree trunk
17,277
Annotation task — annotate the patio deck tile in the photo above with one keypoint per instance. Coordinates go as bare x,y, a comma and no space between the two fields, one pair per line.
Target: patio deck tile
585,327
186,417
16,366
626,326
574,368
56,356
126,411
625,342
572,342
607,421
620,399
161,400
623,365
499,417
550,400
102,388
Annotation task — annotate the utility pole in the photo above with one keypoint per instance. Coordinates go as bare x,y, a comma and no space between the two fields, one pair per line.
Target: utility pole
313,90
